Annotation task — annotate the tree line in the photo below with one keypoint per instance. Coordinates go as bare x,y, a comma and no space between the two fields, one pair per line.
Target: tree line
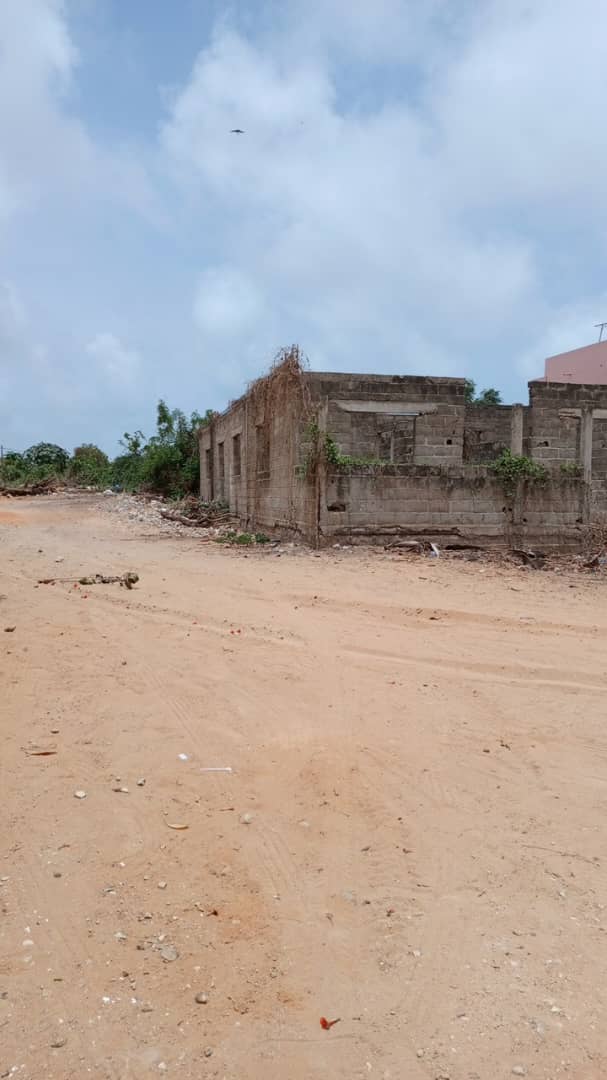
167,462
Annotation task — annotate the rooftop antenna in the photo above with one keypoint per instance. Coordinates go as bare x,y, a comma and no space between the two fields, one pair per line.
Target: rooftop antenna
602,326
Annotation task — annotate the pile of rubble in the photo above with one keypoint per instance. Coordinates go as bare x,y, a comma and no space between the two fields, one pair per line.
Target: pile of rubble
194,518
589,562
191,515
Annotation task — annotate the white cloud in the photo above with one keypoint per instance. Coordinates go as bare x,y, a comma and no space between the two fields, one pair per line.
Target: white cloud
427,223
420,188
519,109
115,363
341,219
46,393
12,314
45,149
400,32
28,384
227,302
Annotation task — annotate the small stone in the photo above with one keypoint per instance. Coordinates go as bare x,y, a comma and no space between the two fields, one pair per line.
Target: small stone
121,790
519,1070
162,884
120,936
202,999
141,781
58,1043
80,794
245,819
420,1053
208,1052
146,1007
162,1066
56,873
169,953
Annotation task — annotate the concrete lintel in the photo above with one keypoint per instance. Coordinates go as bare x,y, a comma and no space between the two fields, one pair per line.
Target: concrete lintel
598,414
388,408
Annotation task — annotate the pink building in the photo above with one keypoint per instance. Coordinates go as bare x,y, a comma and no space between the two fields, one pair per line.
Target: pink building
586,365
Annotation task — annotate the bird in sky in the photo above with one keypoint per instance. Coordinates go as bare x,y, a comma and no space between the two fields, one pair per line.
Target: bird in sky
236,131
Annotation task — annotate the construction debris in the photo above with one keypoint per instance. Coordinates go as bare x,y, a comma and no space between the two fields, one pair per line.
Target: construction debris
533,559
41,487
198,514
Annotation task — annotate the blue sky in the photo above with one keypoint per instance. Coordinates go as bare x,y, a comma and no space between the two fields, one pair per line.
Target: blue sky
420,189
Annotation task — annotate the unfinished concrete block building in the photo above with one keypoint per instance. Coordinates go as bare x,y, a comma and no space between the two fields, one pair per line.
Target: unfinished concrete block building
340,458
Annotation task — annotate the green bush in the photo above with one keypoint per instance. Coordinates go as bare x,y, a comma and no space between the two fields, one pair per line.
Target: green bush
242,539
168,463
90,466
13,469
161,470
126,472
510,468
47,457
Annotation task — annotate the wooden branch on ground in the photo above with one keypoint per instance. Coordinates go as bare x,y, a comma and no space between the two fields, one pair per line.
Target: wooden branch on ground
197,523
43,487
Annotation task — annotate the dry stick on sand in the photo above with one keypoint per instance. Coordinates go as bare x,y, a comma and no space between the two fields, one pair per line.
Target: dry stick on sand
128,580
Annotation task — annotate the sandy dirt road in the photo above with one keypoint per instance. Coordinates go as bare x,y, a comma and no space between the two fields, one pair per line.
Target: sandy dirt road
422,749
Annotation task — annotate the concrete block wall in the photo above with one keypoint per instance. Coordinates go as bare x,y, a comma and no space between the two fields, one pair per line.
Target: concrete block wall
283,499
599,447
429,488
232,485
469,503
598,502
439,431
487,432
554,438
268,493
